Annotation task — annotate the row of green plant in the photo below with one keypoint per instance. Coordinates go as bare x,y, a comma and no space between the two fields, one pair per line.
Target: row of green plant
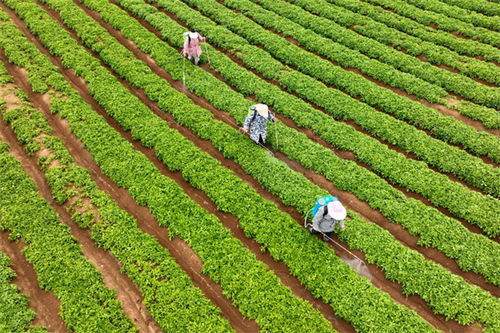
407,44
225,99
330,278
16,316
246,281
182,307
260,165
409,173
462,46
123,22
346,57
481,6
404,62
444,127
338,53
86,304
429,150
448,18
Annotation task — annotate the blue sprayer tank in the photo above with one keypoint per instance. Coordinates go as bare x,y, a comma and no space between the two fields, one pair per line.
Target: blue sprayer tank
322,202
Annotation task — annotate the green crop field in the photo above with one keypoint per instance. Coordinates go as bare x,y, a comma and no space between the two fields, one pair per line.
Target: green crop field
132,201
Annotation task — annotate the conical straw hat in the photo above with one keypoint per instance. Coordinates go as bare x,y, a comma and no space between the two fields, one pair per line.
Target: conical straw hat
262,109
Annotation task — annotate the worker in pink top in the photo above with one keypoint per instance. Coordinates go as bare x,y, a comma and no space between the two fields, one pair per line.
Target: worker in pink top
192,46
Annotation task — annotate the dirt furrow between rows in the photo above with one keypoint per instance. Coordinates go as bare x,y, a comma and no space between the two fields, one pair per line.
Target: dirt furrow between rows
45,304
126,291
382,282
181,252
290,123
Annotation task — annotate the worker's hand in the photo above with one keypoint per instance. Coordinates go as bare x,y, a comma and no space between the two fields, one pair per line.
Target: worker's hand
244,130
342,227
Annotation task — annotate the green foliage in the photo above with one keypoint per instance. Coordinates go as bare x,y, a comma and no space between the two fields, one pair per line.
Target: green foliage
482,6
248,282
401,41
338,104
388,163
15,316
86,304
447,18
409,26
292,245
386,54
331,278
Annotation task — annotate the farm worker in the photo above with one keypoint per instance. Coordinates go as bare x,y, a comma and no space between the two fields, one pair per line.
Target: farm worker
192,46
327,217
256,121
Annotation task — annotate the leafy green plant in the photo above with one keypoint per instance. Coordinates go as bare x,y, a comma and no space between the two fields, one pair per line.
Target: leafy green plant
388,55
86,304
153,191
409,26
15,316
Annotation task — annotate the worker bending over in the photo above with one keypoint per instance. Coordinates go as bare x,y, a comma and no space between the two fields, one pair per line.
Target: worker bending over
256,122
327,217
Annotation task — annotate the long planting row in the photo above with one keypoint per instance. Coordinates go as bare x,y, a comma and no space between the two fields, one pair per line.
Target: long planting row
340,54
86,304
481,175
16,316
481,6
205,85
296,191
336,103
249,283
352,297
346,57
323,70
405,172
444,127
298,144
448,18
181,307
368,27
462,46
406,63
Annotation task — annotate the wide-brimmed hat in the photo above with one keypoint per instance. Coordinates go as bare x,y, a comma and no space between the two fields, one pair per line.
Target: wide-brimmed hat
262,109
336,210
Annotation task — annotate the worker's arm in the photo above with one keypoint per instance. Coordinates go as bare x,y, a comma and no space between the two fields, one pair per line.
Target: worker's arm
248,119
271,117
341,224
